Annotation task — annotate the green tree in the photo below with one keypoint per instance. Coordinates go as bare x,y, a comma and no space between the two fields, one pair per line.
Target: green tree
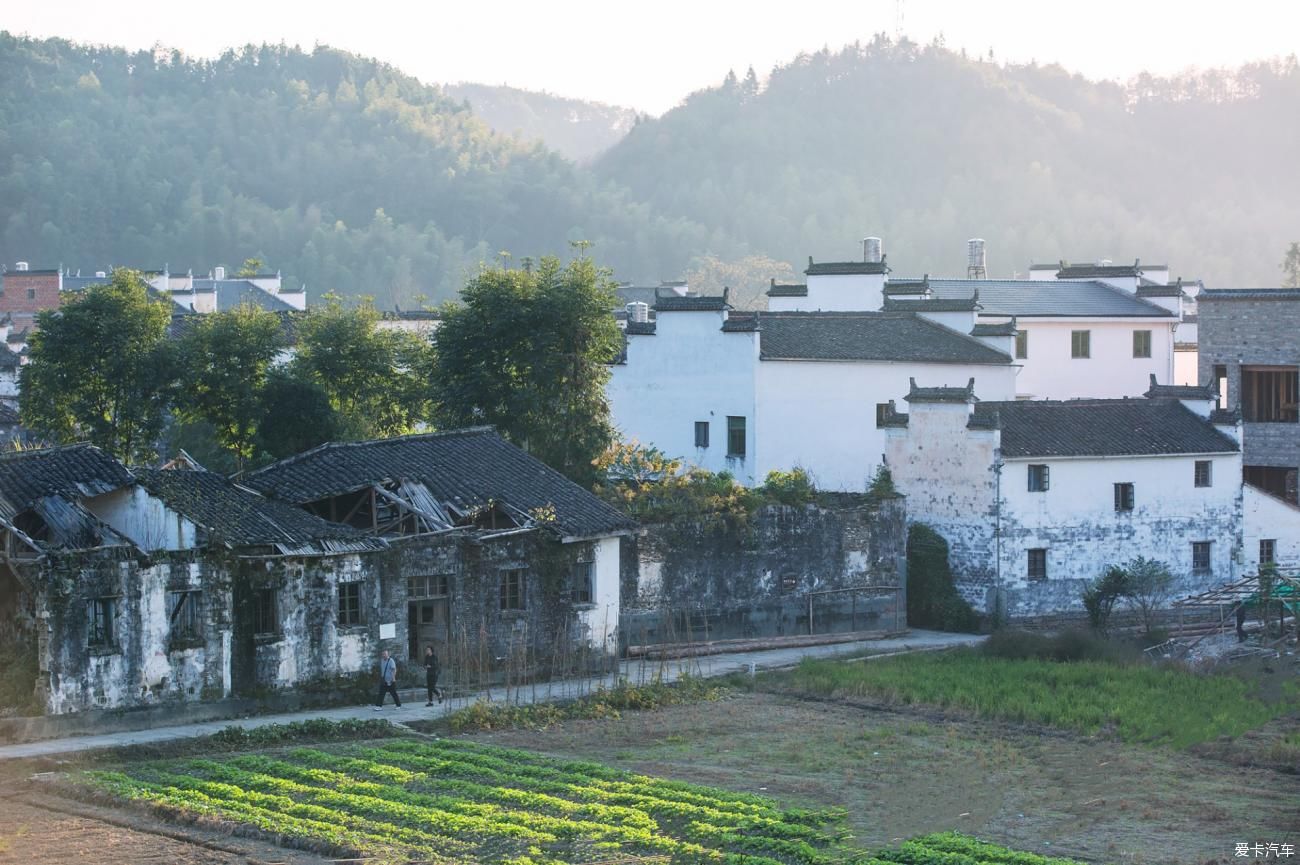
101,369
528,351
224,362
250,267
375,379
296,416
1291,266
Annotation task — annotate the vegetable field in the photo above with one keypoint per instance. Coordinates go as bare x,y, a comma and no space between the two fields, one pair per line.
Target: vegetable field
455,801
949,848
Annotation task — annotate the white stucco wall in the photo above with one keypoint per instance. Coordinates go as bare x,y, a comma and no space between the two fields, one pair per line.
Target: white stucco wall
1111,370
1269,517
821,416
688,371
1185,366
601,619
844,293
149,523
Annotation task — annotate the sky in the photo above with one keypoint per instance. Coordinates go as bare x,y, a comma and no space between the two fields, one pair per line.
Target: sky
650,55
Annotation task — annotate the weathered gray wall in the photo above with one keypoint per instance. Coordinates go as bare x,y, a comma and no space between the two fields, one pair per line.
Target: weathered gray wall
704,578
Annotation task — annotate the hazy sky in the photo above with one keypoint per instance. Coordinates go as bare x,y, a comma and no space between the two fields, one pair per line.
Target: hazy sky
651,54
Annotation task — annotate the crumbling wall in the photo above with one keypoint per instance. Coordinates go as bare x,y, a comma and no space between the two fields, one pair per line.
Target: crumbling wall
709,578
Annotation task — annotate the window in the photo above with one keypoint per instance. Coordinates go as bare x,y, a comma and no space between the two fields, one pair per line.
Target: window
584,573
1221,382
427,586
1080,343
1038,564
1200,555
701,433
102,613
512,589
1269,395
1267,551
882,414
1141,343
736,437
1123,497
266,613
1040,479
349,604
1201,475
1022,344
31,294
183,615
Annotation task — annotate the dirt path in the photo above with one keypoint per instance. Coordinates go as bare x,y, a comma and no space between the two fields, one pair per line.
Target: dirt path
901,773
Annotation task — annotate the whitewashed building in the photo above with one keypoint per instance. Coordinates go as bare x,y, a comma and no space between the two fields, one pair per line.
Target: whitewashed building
1036,498
750,393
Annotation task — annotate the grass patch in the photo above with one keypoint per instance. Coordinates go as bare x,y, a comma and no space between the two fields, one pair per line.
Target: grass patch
455,801
950,848
604,703
1136,703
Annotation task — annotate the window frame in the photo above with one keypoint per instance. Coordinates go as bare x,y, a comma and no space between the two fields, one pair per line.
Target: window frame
1125,497
701,434
513,594
419,586
1022,344
1207,564
1264,400
582,580
882,414
101,622
1141,344
1043,477
1208,466
1036,574
1271,557
1081,345
185,605
736,425
349,604
266,610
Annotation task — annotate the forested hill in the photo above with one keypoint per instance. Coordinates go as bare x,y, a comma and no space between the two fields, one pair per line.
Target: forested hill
578,129
927,148
342,172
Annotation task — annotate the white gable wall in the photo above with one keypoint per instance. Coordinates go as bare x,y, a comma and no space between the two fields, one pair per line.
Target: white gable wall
1268,517
1111,370
852,292
149,523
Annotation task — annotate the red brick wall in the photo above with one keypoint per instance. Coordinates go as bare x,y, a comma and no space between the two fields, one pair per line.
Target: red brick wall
20,286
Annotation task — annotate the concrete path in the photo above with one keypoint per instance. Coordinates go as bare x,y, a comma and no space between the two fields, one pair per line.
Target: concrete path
636,672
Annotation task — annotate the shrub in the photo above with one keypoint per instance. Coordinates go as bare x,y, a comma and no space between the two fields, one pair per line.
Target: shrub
932,599
312,729
882,483
1071,645
789,488
1101,595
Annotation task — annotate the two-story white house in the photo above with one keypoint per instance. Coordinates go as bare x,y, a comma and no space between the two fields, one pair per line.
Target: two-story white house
1036,498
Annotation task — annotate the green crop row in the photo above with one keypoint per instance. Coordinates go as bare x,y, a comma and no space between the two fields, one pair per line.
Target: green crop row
950,848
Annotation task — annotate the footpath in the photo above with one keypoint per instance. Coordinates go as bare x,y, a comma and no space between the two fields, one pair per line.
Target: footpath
636,672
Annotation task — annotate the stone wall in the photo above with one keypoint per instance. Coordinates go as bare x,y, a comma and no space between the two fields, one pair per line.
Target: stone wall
710,578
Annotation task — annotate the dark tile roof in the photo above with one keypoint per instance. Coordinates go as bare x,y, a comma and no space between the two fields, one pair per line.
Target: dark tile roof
907,286
868,336
1174,290
677,303
1229,416
400,314
9,359
71,472
740,322
462,468
1102,427
1047,298
843,268
1099,271
1006,328
1181,391
1249,294
641,328
787,289
934,304
237,517
232,292
9,415
941,394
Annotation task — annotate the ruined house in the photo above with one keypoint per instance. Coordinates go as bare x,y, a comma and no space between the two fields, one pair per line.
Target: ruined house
144,587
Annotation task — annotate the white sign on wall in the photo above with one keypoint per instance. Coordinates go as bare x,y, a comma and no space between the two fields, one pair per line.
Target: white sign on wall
388,631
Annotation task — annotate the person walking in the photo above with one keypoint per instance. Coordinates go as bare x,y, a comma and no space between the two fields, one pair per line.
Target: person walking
387,681
431,675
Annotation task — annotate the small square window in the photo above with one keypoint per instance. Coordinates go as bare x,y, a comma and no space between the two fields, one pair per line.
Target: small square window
1201,555
349,604
183,615
1080,343
1040,479
1124,497
513,595
427,586
1267,551
584,572
31,294
882,414
102,631
701,433
1022,344
1202,475
1038,564
1141,343
266,613
736,437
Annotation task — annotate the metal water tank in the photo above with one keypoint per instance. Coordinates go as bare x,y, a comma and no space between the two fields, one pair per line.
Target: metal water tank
872,249
638,312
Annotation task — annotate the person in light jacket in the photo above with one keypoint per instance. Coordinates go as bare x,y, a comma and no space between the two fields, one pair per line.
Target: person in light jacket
387,681
431,675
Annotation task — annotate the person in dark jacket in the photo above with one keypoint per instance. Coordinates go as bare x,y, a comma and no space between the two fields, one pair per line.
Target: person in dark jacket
387,681
431,675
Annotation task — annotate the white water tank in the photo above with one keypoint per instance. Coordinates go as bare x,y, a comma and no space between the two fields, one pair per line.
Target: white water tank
872,249
975,253
218,272
20,265
638,312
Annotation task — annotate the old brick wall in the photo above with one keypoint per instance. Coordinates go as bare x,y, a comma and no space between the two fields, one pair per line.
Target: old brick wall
708,578
25,293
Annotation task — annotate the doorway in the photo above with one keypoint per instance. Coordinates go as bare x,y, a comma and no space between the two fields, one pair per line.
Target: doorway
428,615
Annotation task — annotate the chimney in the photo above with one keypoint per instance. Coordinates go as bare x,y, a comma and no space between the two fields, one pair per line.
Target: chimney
218,272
